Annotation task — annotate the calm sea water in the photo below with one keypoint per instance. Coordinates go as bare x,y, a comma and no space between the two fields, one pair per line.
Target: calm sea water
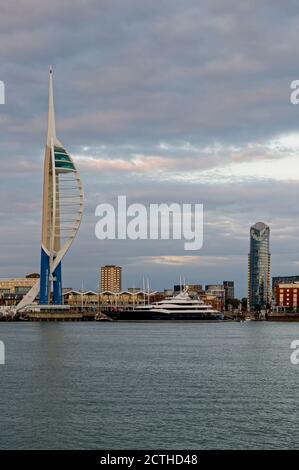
147,386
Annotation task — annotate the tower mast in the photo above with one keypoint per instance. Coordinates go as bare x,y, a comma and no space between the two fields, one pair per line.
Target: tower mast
62,208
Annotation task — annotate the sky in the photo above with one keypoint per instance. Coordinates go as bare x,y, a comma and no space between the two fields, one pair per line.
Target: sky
162,101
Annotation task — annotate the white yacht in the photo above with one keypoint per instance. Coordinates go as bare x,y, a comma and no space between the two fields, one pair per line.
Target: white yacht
180,307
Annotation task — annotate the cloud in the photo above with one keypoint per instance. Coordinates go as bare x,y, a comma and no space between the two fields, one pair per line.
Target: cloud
185,261
162,101
275,159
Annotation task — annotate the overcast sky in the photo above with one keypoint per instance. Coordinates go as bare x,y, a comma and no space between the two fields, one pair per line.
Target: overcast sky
162,101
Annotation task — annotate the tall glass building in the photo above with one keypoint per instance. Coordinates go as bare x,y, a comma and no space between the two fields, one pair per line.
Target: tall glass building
259,290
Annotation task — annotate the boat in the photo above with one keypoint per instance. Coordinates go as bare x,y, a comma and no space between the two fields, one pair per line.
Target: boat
180,307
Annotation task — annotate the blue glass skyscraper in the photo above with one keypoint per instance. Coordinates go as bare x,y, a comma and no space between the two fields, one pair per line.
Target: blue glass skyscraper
259,291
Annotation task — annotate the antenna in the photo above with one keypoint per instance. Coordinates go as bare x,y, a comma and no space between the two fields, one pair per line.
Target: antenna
51,112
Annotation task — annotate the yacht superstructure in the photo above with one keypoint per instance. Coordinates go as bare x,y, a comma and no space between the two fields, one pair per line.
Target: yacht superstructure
180,307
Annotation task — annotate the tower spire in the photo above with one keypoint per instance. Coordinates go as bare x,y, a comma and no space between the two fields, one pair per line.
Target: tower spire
51,111
62,214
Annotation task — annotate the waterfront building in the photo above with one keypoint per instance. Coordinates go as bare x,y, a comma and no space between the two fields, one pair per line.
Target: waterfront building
259,291
215,289
214,294
286,296
87,300
13,290
17,285
111,278
229,290
283,280
90,300
123,299
216,302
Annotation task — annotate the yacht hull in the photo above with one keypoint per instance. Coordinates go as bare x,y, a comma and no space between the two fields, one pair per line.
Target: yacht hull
139,315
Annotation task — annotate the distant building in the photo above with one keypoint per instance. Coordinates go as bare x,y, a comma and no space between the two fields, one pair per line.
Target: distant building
18,285
216,302
214,295
286,296
197,288
13,290
168,292
259,291
66,289
229,290
283,280
215,289
33,276
111,278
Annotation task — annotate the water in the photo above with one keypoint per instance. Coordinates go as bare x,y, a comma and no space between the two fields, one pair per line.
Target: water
148,386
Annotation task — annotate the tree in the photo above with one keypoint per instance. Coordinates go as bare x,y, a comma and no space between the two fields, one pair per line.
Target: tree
233,302
244,303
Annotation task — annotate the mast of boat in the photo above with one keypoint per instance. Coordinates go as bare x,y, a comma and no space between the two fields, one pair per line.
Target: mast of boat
148,291
143,287
82,290
133,294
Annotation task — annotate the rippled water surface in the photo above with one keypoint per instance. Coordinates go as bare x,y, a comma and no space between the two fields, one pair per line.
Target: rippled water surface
132,386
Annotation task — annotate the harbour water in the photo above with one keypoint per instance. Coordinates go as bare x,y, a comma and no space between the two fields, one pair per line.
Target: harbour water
148,386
